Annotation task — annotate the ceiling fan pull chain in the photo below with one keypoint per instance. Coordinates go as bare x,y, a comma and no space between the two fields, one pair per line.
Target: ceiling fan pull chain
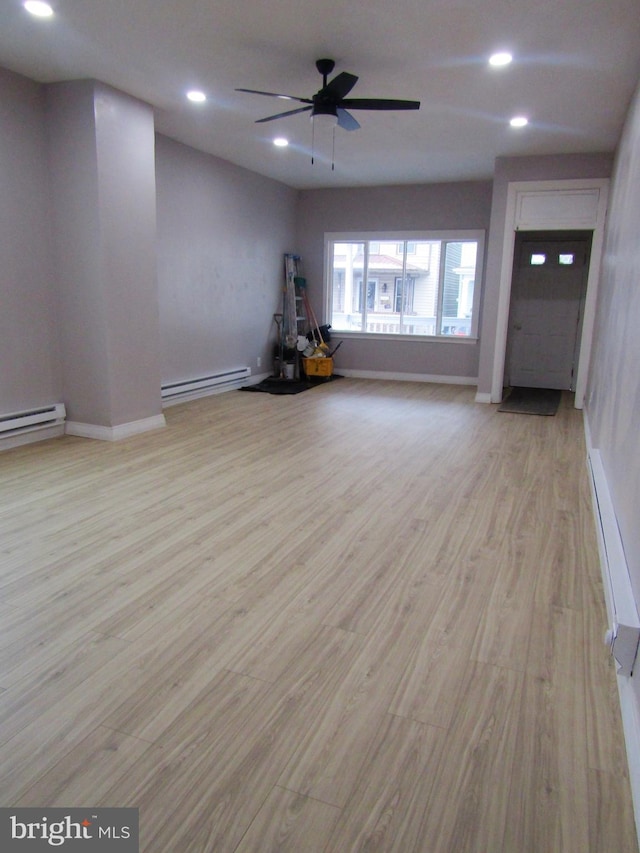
333,151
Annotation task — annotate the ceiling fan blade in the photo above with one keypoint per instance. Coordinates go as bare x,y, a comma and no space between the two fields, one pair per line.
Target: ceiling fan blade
282,115
379,104
340,86
275,95
346,121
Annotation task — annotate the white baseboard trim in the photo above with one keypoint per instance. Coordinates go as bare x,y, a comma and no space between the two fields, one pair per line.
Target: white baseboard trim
587,431
115,433
483,397
631,728
408,377
258,378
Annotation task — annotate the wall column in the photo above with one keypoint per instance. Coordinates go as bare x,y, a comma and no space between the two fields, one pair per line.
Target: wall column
102,159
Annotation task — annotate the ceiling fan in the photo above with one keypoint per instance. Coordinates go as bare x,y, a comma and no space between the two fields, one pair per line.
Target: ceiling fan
331,99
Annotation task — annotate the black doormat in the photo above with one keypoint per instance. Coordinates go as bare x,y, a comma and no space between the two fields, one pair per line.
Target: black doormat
275,385
532,401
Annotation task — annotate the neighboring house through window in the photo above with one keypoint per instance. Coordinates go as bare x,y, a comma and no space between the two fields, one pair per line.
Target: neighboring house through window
417,285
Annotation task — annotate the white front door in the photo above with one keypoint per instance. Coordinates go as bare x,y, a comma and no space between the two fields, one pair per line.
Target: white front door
547,295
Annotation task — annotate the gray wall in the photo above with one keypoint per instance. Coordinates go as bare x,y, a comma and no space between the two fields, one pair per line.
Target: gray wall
613,395
464,205
93,259
222,236
29,374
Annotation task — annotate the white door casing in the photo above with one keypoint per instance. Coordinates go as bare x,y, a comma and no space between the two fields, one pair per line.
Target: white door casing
579,204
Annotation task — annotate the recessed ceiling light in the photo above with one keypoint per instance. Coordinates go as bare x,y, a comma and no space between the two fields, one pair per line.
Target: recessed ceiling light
519,121
38,8
500,59
196,96
280,142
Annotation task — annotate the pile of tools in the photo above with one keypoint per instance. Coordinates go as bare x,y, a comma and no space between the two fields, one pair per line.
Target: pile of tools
317,357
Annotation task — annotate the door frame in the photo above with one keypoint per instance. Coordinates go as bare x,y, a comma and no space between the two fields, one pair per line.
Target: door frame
570,205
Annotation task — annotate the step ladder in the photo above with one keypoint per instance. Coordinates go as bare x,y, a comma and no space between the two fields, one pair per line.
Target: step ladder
295,322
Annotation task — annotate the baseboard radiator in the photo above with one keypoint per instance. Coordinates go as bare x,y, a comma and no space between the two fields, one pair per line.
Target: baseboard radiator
191,389
623,634
17,427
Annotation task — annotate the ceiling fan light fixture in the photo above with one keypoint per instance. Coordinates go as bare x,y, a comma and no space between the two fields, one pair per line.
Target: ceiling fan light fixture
324,115
280,142
196,96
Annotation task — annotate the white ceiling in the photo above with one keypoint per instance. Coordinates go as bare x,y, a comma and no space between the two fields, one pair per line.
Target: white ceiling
576,65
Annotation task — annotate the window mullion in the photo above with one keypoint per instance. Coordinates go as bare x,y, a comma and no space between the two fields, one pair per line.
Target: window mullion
441,272
403,295
365,281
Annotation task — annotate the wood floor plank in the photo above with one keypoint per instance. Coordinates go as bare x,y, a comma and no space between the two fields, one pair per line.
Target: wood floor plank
386,809
83,775
611,825
431,682
463,812
218,761
328,760
37,747
289,823
559,580
505,627
25,701
605,743
366,617
169,680
195,791
550,782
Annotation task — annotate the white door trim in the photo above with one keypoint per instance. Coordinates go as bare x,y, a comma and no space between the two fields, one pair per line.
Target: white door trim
590,216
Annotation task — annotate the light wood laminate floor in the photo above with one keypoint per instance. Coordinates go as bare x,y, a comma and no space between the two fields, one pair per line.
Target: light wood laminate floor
366,617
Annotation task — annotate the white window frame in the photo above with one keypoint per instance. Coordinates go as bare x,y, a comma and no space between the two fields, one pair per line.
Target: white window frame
462,235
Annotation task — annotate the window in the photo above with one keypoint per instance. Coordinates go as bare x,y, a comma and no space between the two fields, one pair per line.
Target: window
418,286
404,295
371,293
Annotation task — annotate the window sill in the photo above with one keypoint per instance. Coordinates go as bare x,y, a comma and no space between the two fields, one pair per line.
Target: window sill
373,336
